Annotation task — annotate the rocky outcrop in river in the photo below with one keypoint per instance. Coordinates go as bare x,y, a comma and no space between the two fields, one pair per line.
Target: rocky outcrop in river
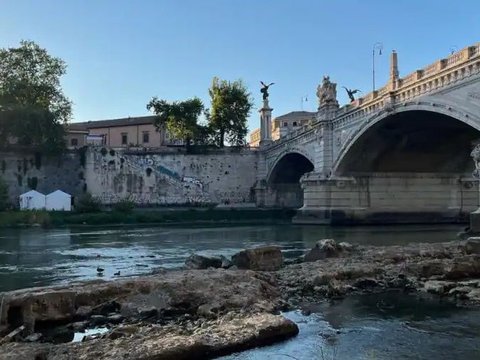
189,314
447,269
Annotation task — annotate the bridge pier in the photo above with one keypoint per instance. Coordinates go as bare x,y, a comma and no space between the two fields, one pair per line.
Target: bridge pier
387,198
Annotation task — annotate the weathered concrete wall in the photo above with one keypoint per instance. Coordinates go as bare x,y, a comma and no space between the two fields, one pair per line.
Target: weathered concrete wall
171,178
393,198
23,171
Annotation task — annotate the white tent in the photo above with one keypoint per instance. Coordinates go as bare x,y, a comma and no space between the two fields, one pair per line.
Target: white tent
58,200
32,200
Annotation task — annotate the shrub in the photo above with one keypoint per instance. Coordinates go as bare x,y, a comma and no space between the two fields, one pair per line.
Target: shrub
125,205
88,204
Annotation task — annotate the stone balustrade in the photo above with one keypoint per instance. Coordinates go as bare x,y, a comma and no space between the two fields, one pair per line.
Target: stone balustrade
440,74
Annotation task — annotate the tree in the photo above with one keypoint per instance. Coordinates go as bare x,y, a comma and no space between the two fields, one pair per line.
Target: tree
230,106
33,108
179,118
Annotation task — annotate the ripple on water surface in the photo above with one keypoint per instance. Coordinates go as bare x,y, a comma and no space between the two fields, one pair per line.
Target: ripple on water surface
359,328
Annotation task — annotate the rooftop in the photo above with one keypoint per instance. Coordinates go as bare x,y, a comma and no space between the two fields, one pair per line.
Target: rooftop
129,121
297,115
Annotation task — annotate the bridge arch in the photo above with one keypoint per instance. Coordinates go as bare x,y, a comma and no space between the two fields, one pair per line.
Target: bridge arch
274,166
283,180
401,129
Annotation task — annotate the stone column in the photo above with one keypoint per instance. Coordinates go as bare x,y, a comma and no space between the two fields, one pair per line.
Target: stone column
324,161
265,124
394,75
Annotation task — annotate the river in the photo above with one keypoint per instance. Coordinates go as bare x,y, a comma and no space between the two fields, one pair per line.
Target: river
38,257
401,327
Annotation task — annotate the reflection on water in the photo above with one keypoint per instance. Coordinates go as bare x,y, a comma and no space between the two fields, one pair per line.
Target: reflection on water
35,257
360,328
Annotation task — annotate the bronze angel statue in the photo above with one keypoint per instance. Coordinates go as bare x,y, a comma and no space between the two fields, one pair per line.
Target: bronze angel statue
264,89
351,92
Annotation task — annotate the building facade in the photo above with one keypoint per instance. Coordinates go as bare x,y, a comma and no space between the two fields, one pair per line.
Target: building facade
119,133
283,125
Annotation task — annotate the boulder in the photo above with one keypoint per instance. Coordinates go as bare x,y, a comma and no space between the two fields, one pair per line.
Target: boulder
83,312
265,258
438,287
345,246
200,262
226,263
33,337
223,336
323,249
472,245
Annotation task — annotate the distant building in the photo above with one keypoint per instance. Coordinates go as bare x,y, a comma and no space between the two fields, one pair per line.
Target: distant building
76,136
117,133
284,124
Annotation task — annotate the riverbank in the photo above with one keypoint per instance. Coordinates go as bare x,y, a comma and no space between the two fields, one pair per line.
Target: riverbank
205,313
161,216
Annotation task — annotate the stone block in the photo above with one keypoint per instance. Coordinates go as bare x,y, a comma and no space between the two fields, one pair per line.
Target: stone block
265,258
323,249
472,245
202,262
475,221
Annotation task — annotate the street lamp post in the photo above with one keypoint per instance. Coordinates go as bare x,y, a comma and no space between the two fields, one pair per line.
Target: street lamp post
378,46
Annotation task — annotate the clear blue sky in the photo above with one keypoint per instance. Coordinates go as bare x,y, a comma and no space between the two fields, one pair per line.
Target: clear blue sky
121,53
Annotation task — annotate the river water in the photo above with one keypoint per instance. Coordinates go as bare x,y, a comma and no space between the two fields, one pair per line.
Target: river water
37,257
356,328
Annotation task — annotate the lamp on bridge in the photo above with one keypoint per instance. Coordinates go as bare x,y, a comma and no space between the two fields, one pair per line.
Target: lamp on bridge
377,47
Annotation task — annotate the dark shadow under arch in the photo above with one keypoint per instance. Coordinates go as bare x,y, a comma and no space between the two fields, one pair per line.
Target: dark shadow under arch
289,169
412,141
284,181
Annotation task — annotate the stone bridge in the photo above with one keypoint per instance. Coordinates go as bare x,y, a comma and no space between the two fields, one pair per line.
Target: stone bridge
398,154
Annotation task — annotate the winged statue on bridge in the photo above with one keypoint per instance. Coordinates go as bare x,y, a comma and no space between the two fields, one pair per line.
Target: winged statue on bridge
351,93
264,89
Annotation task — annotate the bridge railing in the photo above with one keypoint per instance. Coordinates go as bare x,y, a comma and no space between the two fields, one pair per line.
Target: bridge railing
431,78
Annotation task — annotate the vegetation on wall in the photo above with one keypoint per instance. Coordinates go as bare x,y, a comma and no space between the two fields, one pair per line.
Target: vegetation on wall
33,107
124,206
87,204
207,217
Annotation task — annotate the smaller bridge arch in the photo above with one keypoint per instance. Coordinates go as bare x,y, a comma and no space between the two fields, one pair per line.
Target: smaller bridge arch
283,181
281,157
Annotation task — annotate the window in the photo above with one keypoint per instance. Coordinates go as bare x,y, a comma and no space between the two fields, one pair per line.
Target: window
74,142
294,123
146,137
124,138
285,124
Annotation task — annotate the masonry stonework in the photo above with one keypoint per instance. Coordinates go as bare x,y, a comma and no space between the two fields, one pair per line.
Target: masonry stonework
23,171
153,179
399,150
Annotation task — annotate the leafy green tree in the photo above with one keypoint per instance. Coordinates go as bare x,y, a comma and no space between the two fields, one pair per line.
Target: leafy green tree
3,195
230,106
33,107
179,117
